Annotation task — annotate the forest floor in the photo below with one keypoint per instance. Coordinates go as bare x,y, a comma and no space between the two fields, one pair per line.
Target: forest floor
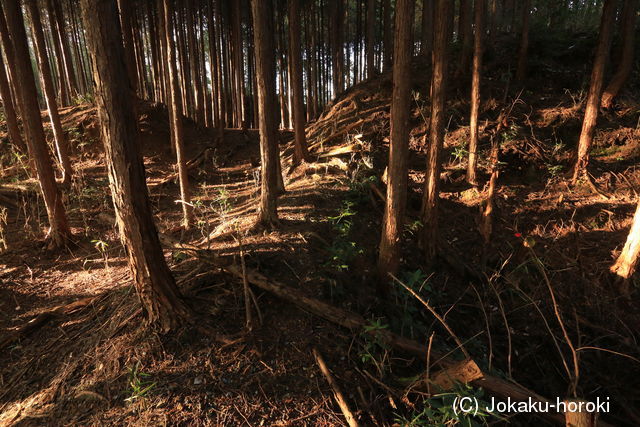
97,363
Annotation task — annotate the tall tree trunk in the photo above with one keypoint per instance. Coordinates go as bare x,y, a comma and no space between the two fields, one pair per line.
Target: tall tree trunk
125,21
63,89
387,23
441,37
26,88
521,71
337,30
295,57
194,61
177,132
66,51
626,263
595,89
61,143
239,63
160,297
371,37
629,13
262,12
389,256
465,34
426,37
475,92
9,110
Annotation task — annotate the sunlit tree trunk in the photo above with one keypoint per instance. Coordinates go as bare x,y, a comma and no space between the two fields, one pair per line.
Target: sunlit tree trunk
61,143
595,89
475,93
629,14
25,85
441,38
161,299
177,132
626,263
265,73
389,256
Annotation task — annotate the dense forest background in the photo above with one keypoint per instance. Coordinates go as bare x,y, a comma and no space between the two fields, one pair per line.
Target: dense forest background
318,212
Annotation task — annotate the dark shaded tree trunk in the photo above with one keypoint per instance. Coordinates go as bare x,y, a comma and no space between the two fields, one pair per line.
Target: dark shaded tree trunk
124,7
177,132
441,37
629,13
61,143
9,110
465,34
295,57
595,89
160,297
389,256
521,71
475,92
387,23
262,11
337,20
371,38
25,85
426,37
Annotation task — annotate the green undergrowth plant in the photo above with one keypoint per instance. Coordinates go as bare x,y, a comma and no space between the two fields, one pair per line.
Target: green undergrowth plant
443,409
139,384
373,350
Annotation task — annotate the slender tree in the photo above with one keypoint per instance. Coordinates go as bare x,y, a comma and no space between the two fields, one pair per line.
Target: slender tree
9,110
629,16
595,89
25,86
389,256
63,84
124,7
441,36
475,92
521,71
61,143
465,34
177,132
161,299
265,74
371,38
337,19
301,152
426,37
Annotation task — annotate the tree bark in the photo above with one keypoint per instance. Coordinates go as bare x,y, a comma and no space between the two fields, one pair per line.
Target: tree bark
626,263
61,143
177,132
64,44
26,88
389,256
371,35
621,76
337,19
63,89
475,93
9,110
301,152
160,297
521,71
426,38
595,89
387,22
441,37
262,11
465,34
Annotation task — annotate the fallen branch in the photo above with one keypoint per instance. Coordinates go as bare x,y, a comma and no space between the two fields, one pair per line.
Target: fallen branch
43,318
337,393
